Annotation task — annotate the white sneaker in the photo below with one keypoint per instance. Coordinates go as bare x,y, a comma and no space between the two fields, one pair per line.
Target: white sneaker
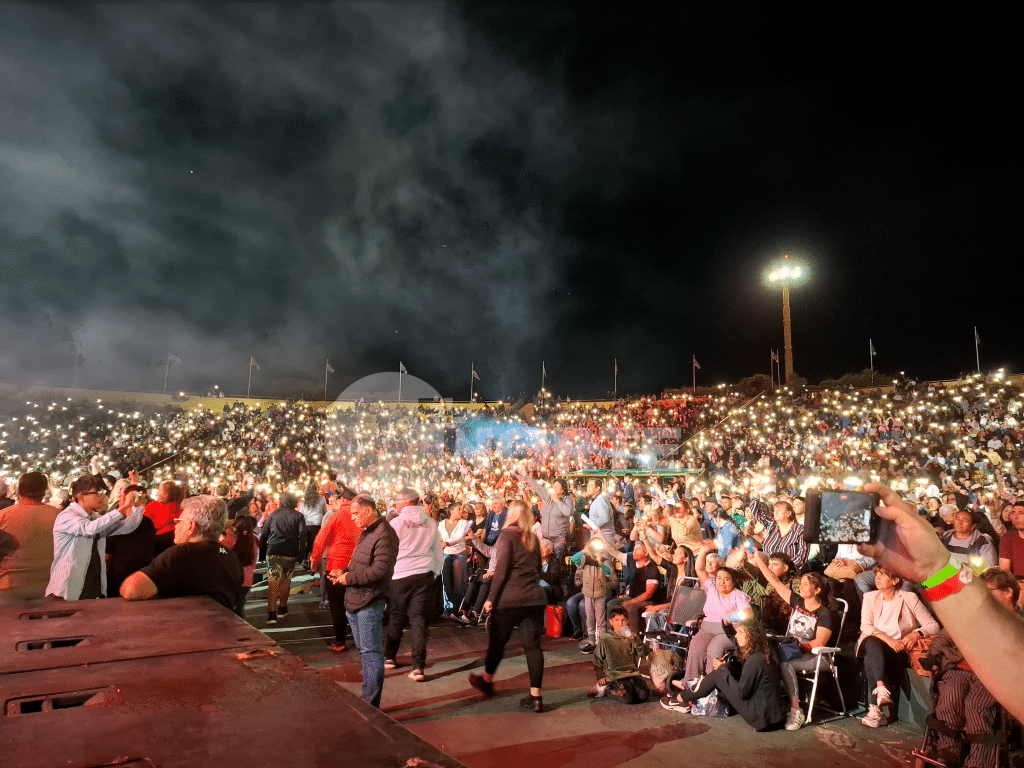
873,719
795,719
882,696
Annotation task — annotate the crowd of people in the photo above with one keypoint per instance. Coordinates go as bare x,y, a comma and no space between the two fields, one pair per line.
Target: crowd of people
607,509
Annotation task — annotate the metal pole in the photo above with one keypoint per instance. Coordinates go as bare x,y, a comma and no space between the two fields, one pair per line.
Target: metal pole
248,390
472,370
693,368
399,385
871,358
787,333
615,379
977,357
167,368
326,366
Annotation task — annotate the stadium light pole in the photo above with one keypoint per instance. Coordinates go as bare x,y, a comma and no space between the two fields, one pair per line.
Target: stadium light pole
786,273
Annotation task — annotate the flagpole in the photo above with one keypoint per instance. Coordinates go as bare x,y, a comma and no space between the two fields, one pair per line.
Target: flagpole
977,357
248,390
615,380
693,367
167,369
327,365
543,374
472,370
871,358
399,382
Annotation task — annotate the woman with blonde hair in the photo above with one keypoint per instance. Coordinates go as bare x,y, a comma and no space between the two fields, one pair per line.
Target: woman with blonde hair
515,599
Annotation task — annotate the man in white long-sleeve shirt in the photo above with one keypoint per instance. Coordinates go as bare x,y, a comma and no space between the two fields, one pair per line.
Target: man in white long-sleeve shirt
79,570
420,556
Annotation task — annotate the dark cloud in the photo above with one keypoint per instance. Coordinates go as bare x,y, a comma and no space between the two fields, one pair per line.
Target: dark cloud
490,183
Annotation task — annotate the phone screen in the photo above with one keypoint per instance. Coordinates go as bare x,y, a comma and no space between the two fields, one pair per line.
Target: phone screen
846,517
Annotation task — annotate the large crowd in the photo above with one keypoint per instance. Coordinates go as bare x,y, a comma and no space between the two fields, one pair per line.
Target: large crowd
632,504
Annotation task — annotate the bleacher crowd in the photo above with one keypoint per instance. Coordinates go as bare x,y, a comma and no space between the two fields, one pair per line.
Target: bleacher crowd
619,544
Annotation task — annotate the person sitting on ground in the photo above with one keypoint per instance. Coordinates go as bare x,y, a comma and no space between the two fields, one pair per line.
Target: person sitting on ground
754,693
197,563
890,620
962,702
26,542
810,622
617,662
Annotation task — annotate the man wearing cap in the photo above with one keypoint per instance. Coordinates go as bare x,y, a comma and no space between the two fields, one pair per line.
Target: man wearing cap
367,581
26,542
419,560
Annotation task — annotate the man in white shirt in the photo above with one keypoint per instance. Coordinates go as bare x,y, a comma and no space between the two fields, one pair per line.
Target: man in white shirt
79,570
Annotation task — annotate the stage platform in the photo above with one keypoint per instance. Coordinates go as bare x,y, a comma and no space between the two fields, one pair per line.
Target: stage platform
177,684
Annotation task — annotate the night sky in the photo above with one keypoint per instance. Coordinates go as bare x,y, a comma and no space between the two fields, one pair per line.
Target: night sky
502,184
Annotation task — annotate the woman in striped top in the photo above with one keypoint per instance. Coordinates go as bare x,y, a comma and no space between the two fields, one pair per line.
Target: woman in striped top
782,533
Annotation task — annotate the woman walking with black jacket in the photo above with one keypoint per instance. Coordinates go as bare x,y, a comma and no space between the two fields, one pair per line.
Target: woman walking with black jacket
515,599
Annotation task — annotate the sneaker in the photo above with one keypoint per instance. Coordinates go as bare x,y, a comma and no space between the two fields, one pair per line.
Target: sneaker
337,647
272,617
536,703
882,696
417,675
795,719
478,682
873,719
282,611
324,605
674,704
586,647
389,664
579,635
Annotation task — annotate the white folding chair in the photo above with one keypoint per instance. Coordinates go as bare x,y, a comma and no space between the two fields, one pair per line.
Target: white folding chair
826,660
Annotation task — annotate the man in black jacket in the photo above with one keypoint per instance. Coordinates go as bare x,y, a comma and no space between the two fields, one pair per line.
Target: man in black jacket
284,537
368,584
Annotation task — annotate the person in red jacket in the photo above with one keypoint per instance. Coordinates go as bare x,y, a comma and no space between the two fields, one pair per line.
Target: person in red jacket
163,511
337,537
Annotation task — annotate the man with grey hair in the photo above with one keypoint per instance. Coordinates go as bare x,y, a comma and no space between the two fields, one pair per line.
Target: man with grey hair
197,564
419,560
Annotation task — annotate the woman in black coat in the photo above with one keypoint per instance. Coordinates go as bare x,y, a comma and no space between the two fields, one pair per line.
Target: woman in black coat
515,599
755,694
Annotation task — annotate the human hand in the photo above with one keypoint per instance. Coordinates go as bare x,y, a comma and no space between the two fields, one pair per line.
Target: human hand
133,477
488,606
907,544
716,663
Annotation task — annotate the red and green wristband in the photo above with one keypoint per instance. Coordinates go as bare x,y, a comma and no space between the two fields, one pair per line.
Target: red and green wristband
946,582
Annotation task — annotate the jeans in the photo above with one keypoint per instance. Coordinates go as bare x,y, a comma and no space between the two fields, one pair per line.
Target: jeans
530,621
453,578
595,618
409,602
368,631
881,662
574,607
339,618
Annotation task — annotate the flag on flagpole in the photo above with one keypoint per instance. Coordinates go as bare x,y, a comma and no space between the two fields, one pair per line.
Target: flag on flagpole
871,344
401,367
329,369
543,370
977,338
695,363
173,357
475,374
616,366
253,363
775,357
